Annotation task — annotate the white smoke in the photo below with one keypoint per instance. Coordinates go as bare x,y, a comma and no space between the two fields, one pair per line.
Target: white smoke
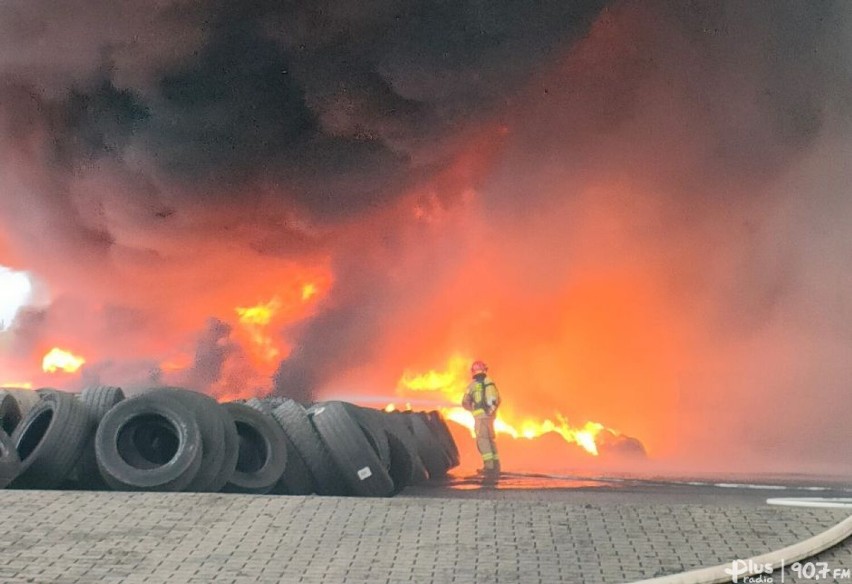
15,291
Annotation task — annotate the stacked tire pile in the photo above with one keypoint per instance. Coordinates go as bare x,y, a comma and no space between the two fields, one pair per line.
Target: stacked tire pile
170,439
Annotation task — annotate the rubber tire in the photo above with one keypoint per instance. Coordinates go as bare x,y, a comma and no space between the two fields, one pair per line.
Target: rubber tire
50,440
296,423
231,450
297,479
209,419
274,401
27,398
401,469
172,476
10,464
259,405
431,452
373,429
273,452
396,424
442,433
100,399
97,400
355,457
10,412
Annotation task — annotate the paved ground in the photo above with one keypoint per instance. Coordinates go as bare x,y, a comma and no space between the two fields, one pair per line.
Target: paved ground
585,535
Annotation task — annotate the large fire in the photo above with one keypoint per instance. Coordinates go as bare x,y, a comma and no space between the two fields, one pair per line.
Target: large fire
61,360
448,386
252,341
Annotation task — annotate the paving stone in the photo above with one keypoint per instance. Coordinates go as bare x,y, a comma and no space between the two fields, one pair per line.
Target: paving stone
128,538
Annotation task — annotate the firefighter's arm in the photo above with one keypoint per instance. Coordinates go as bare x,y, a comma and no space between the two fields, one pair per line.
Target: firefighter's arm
467,400
492,398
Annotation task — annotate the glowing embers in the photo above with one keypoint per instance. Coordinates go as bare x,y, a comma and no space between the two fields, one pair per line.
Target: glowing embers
57,360
448,386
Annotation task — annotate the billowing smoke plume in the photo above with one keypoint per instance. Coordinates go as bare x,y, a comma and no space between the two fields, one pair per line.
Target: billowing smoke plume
636,211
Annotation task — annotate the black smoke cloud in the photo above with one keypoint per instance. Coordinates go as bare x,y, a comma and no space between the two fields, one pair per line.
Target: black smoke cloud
337,105
706,105
129,132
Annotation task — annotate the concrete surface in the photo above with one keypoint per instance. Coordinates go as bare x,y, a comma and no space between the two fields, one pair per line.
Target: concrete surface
584,537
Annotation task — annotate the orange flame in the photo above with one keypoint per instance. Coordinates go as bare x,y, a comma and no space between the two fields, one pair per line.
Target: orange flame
450,384
16,385
254,320
61,360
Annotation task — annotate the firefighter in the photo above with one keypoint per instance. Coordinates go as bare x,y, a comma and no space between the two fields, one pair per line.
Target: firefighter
482,400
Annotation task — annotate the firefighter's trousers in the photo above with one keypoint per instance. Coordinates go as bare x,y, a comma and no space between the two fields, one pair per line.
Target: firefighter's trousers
484,428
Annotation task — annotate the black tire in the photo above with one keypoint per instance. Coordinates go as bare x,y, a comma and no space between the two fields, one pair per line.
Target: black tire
297,479
431,452
10,412
274,401
296,423
442,432
209,419
259,405
150,442
401,469
100,399
373,429
263,456
97,400
50,440
396,424
27,399
10,464
355,457
231,450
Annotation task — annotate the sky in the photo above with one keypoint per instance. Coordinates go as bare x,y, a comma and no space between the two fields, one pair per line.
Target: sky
636,212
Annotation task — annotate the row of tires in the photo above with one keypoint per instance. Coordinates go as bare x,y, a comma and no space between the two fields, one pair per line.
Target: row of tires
170,439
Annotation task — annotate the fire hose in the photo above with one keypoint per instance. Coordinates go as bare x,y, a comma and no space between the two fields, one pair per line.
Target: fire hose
793,553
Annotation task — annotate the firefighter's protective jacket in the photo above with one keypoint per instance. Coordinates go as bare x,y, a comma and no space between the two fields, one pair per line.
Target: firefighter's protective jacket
481,397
